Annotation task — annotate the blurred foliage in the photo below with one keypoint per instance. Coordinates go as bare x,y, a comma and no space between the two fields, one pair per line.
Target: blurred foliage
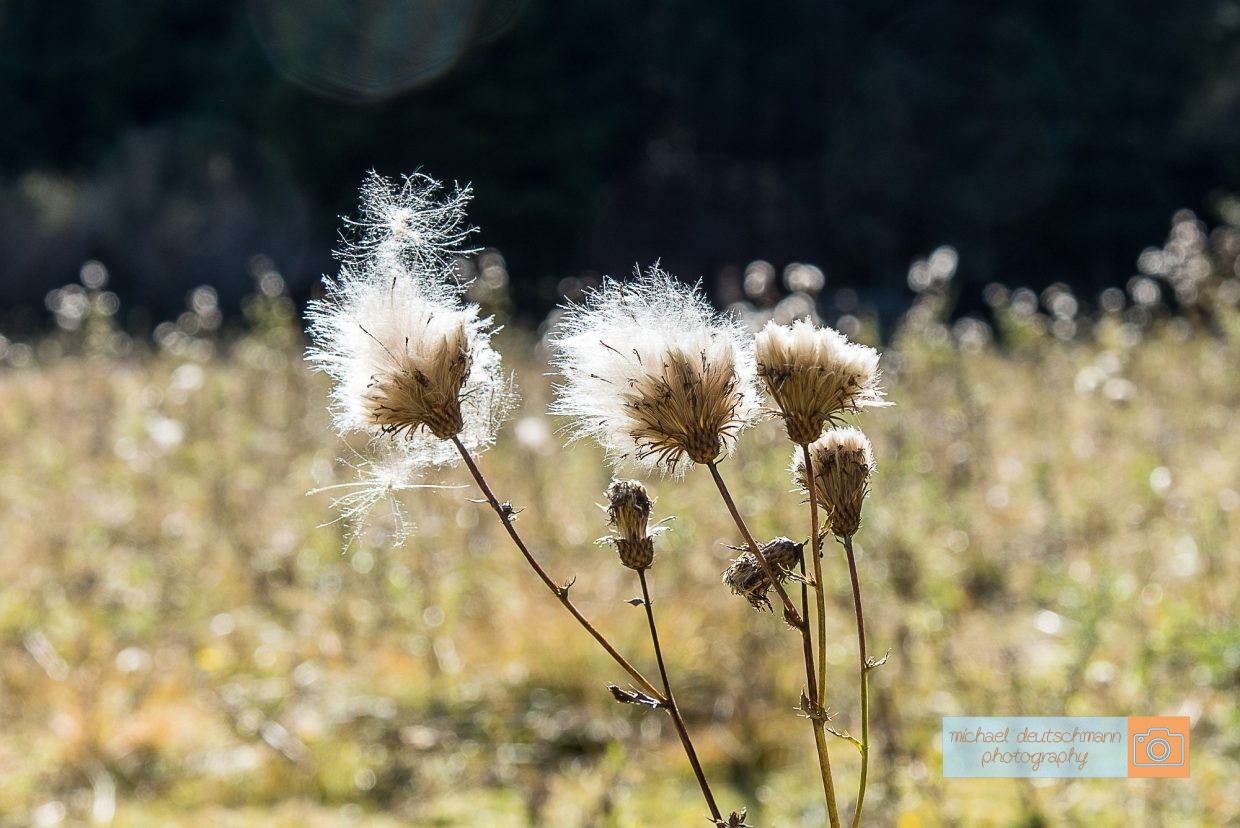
173,141
1054,529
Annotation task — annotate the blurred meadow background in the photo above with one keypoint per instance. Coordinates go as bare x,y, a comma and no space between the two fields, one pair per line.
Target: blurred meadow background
1054,530
1029,211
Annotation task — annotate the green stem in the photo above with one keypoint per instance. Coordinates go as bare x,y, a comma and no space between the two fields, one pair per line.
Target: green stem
865,679
820,598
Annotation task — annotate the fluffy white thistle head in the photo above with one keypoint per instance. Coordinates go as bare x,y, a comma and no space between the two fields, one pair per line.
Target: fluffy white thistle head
814,374
412,365
654,374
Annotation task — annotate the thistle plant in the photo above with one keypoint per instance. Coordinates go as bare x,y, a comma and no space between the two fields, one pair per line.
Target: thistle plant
661,379
414,371
835,473
628,513
650,371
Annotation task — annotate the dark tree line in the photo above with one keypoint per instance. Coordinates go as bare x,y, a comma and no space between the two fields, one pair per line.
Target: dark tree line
1047,141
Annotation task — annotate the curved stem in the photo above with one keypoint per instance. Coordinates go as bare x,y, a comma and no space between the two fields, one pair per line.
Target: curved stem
865,679
807,647
820,598
671,707
560,592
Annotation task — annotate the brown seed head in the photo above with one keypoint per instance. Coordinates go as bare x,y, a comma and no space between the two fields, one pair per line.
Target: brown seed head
654,373
746,576
842,459
423,386
685,407
628,512
815,374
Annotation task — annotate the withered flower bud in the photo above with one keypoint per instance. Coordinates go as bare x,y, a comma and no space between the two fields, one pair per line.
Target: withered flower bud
628,513
747,577
842,460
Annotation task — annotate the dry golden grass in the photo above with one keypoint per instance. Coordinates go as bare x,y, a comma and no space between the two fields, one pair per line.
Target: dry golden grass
1054,529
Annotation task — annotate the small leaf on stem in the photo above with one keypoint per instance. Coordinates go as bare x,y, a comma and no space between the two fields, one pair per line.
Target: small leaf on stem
852,740
633,697
734,820
873,663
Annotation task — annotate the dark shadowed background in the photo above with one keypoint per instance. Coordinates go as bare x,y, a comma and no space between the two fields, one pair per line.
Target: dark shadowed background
1045,141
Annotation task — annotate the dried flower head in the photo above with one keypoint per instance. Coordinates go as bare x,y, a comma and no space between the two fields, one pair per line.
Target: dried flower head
654,373
628,509
843,460
747,577
411,364
815,374
628,513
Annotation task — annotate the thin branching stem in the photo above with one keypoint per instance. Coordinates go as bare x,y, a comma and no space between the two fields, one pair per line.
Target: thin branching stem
672,708
664,699
560,592
865,679
807,647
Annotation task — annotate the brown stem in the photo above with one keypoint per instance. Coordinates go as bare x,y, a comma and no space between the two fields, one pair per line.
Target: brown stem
790,610
560,592
807,647
865,680
671,707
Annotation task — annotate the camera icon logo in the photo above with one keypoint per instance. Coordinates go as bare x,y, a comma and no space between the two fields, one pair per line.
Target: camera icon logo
1158,746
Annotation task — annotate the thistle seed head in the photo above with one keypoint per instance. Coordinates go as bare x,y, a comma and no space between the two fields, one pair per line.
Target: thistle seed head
654,374
683,407
409,364
747,578
422,386
407,357
628,513
842,462
815,374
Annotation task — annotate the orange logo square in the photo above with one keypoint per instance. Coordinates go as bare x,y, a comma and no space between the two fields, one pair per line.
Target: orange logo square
1158,746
